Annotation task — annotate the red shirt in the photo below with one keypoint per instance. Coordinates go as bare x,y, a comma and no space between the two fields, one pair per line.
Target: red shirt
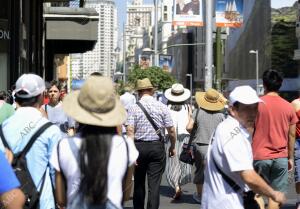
274,117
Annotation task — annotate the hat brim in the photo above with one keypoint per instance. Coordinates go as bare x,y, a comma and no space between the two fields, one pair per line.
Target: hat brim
177,98
115,117
200,99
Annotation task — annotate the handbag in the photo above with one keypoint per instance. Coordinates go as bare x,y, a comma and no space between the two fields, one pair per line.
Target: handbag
188,149
157,130
248,197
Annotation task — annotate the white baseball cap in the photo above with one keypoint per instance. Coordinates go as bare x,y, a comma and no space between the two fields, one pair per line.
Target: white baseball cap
245,95
29,85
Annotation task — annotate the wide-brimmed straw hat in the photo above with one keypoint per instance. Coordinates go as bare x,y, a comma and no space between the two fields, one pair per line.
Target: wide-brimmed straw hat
177,93
143,84
210,100
95,103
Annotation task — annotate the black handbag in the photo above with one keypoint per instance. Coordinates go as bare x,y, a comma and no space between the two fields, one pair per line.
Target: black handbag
188,149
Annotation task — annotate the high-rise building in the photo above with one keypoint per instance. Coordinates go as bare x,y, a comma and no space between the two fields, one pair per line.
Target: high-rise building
102,58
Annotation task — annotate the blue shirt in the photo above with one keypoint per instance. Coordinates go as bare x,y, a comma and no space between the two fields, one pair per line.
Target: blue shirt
8,179
142,127
17,130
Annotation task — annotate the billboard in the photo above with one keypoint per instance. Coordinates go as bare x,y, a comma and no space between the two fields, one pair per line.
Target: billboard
188,13
229,13
166,62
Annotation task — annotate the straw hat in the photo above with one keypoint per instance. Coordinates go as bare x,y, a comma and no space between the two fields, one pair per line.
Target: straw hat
95,103
177,93
210,100
143,84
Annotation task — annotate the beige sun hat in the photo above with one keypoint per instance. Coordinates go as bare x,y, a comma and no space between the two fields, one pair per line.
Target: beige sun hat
210,100
95,103
177,93
143,84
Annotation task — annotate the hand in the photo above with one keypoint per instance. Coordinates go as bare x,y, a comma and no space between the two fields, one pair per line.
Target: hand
279,197
290,164
172,151
9,155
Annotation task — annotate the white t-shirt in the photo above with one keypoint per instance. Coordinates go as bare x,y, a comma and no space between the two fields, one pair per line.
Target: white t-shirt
117,166
180,119
231,150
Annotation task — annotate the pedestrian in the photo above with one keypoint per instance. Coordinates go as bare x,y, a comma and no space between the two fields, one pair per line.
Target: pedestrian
55,111
229,172
296,105
177,172
93,162
147,133
11,197
19,130
206,117
6,110
274,136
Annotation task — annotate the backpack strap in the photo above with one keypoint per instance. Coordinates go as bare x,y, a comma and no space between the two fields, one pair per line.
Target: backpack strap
125,175
34,137
3,138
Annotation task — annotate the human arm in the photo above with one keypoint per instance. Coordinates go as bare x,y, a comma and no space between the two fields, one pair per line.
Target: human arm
258,185
13,199
60,189
190,125
291,146
9,155
172,134
130,131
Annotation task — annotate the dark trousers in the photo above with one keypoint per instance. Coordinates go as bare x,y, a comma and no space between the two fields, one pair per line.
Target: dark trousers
151,162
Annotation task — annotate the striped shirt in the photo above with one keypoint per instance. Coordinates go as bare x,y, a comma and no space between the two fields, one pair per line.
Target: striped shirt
143,129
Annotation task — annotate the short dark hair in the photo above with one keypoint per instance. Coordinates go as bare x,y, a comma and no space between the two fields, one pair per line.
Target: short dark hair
272,80
27,102
96,74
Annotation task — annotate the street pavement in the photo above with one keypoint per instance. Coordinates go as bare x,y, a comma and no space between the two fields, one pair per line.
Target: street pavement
187,201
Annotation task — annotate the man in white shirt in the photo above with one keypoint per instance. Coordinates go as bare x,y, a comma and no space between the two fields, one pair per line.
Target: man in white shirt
230,154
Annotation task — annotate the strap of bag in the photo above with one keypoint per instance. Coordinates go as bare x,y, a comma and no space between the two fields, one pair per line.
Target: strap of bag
192,135
3,138
34,137
228,180
157,130
125,175
31,141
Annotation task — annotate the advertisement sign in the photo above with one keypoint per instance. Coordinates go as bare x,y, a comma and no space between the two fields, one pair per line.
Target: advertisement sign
145,61
229,13
166,62
188,13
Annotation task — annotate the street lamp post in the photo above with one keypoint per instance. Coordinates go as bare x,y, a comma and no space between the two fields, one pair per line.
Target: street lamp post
257,68
191,86
155,32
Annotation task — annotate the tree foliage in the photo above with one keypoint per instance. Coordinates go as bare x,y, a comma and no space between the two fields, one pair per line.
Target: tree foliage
160,79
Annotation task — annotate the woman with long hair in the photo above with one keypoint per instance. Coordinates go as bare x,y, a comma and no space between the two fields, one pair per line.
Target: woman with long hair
94,161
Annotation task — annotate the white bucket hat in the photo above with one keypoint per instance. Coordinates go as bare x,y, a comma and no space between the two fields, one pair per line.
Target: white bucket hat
177,93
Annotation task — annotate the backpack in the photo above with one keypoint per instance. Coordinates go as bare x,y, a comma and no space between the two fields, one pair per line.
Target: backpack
19,165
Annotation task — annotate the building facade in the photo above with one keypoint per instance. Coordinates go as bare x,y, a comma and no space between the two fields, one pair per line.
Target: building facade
102,58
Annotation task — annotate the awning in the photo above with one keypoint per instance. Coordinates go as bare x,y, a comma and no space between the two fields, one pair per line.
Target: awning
71,28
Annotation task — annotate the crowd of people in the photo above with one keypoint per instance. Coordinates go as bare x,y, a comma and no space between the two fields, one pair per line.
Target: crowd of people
86,148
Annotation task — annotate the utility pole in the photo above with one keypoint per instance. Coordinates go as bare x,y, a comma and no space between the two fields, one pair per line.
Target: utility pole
209,46
155,32
218,59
